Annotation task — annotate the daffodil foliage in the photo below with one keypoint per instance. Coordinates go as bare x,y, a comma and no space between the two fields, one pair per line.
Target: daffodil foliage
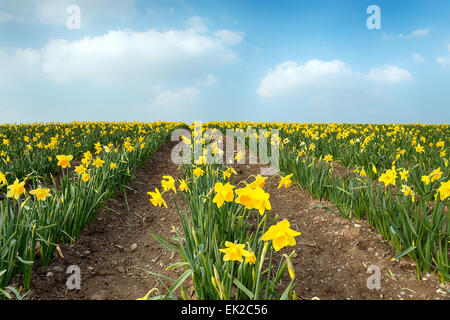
92,161
229,235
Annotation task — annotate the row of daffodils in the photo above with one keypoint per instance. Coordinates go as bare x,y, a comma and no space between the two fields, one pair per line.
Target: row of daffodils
39,211
395,176
228,237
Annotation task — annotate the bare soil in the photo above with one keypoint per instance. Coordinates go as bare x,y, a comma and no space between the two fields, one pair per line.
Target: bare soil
331,261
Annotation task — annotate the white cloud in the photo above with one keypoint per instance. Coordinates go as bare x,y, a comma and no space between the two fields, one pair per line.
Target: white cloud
442,60
422,32
418,58
129,56
289,75
181,98
389,74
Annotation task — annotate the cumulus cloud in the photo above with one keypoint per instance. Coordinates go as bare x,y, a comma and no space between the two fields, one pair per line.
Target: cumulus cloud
389,74
130,56
289,77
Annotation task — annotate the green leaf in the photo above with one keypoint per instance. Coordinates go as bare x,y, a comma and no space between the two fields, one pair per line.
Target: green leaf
177,264
180,281
405,252
324,208
243,288
6,294
24,261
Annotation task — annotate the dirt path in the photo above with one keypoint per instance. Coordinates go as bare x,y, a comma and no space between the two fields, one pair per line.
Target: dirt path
332,258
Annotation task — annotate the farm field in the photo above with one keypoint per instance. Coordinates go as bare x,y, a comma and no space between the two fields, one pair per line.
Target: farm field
107,197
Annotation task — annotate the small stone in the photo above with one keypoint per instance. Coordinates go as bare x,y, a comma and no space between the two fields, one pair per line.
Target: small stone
58,269
87,252
402,293
357,225
339,270
370,249
381,296
49,274
133,247
442,285
90,268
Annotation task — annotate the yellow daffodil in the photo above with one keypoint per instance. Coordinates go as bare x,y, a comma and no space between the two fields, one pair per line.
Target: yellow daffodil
198,172
244,196
98,162
85,177
41,193
64,161
281,235
285,181
404,174
259,182
168,183
444,190
436,174
419,149
260,200
2,179
389,177
80,169
183,185
425,179
157,199
16,189
250,259
234,252
363,173
223,193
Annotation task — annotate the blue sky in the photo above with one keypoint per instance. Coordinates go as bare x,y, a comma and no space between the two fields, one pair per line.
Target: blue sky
181,60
